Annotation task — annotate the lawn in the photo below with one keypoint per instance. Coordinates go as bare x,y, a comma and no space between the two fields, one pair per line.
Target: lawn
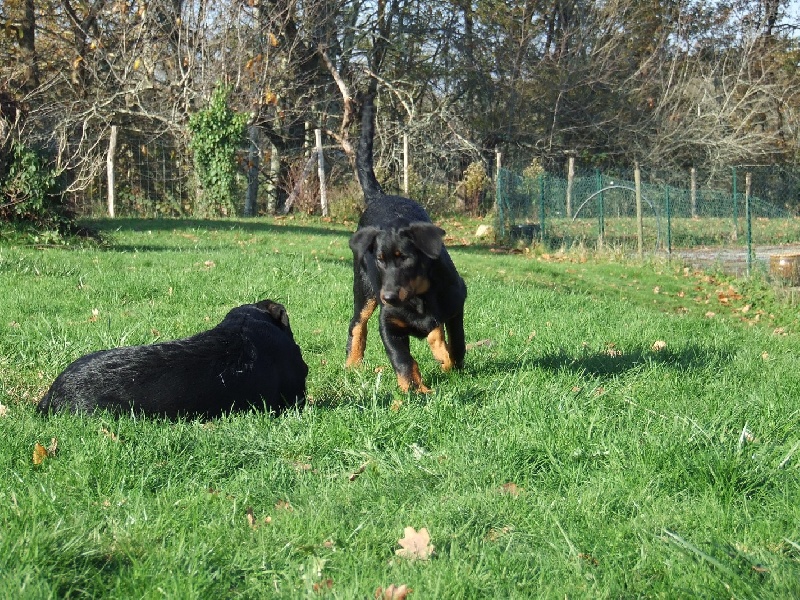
620,429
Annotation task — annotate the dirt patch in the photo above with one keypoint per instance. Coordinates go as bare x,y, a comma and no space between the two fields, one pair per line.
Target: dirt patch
733,260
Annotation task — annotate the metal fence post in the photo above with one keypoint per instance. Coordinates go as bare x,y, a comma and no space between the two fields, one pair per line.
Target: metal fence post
541,204
600,209
499,199
748,215
669,221
637,178
735,210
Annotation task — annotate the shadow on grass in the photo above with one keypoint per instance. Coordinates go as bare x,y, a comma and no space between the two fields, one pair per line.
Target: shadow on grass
604,364
257,225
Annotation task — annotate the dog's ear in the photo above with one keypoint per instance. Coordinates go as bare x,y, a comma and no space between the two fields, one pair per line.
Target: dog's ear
363,239
427,237
276,311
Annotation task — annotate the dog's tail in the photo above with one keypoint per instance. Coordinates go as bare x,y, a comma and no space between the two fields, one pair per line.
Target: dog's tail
366,174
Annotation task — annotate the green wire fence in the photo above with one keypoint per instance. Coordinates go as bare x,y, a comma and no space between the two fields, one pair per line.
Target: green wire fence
599,209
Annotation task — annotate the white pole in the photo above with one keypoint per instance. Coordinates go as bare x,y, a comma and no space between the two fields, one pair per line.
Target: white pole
112,148
323,194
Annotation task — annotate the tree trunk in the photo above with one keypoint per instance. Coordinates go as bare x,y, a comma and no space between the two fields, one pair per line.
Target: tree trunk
253,164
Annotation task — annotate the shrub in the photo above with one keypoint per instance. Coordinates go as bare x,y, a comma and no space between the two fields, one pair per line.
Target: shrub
217,133
25,192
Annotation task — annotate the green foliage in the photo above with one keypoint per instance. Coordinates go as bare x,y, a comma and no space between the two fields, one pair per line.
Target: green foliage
475,184
27,185
534,170
217,133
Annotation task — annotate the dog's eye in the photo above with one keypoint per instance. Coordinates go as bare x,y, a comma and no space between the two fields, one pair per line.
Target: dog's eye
381,258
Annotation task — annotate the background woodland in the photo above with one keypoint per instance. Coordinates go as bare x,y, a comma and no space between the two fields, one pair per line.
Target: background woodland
669,84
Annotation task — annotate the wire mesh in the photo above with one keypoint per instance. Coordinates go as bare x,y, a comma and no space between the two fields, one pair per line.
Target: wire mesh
600,208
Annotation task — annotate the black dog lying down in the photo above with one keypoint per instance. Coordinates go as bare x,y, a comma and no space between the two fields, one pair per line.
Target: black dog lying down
249,360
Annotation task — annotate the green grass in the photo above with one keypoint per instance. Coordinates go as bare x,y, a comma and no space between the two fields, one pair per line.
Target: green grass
631,477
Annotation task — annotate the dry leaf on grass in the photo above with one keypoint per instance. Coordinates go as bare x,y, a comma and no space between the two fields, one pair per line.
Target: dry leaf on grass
415,544
251,518
109,434
3,410
393,592
39,453
321,586
659,345
486,343
510,488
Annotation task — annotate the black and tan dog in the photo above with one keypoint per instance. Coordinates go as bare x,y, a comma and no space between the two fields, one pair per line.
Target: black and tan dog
400,262
249,360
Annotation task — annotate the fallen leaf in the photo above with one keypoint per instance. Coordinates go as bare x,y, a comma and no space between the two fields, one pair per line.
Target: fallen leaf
251,518
3,410
415,544
39,453
321,586
486,343
659,345
109,434
53,447
393,592
511,488
496,534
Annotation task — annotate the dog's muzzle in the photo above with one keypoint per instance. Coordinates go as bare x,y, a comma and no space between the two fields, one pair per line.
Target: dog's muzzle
395,297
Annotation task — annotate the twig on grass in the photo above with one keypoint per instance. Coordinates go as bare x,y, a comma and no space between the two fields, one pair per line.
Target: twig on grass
354,475
789,455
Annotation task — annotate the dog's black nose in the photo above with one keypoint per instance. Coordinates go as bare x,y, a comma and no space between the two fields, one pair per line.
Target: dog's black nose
389,297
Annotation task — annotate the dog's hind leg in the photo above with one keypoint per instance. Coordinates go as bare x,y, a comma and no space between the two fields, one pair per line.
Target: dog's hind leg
357,335
456,343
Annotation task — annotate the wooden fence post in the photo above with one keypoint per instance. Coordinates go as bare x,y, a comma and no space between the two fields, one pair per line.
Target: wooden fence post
693,192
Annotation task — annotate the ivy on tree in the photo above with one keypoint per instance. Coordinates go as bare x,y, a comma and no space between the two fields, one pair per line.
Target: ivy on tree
217,133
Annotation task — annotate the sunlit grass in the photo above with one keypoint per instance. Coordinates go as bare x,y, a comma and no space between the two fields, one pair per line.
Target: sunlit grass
574,456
